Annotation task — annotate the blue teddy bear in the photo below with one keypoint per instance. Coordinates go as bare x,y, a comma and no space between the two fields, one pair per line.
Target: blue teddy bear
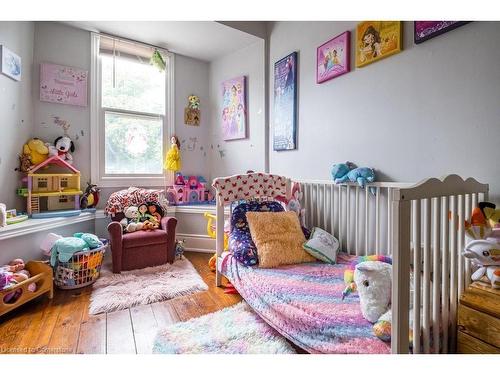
346,172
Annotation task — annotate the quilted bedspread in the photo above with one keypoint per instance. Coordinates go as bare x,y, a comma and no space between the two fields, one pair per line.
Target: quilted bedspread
303,302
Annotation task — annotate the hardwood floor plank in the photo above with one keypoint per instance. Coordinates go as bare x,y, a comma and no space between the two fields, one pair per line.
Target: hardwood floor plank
145,328
64,338
164,313
119,333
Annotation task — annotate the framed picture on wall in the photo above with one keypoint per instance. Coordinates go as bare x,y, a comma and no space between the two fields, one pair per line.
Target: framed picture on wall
285,103
425,30
333,58
234,119
63,84
376,40
10,63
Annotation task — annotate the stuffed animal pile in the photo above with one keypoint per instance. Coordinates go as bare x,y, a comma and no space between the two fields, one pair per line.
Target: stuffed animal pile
12,274
484,249
348,172
146,216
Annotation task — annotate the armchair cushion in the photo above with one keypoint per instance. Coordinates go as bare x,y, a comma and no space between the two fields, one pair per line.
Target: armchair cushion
144,238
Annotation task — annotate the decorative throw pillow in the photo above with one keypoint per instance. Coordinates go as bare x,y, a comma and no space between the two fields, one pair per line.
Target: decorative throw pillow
240,240
322,245
278,237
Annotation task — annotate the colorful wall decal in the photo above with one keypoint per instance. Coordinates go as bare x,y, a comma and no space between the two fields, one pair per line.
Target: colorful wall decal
234,119
333,58
63,84
425,30
285,103
376,40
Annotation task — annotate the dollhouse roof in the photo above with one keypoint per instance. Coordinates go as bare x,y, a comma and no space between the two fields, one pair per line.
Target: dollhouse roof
54,160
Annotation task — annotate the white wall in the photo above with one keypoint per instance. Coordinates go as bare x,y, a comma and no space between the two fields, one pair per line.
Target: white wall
432,109
15,109
239,155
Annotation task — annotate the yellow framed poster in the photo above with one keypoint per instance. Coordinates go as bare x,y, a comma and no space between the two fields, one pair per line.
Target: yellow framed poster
376,40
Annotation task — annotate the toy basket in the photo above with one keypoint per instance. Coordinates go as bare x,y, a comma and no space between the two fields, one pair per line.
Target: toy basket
81,270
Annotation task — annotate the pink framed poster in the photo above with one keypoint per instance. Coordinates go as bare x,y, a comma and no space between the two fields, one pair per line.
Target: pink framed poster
234,119
333,58
63,84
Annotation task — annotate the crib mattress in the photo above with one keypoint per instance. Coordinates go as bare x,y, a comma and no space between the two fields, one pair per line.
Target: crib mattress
303,302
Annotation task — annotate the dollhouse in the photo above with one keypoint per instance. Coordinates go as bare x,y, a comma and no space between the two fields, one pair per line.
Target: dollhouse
187,190
52,185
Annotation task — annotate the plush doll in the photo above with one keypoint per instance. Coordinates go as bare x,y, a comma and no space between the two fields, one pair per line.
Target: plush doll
130,222
347,172
155,211
62,147
37,151
484,254
24,163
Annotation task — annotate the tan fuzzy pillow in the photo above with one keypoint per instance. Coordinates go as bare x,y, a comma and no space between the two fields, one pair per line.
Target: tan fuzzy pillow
278,238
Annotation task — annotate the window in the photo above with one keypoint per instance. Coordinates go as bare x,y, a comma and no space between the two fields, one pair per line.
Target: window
64,182
131,113
42,183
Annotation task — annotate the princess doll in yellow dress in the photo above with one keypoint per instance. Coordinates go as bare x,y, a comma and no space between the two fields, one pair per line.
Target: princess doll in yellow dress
173,157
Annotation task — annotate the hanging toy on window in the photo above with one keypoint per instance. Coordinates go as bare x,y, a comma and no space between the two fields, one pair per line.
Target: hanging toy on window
173,158
158,61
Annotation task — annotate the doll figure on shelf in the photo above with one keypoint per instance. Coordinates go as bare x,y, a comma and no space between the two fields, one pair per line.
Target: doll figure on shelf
173,158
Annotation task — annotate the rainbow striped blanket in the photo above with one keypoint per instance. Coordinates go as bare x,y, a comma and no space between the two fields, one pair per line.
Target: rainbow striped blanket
303,302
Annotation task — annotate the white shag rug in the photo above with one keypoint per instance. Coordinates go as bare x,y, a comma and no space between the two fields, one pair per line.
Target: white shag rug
233,330
113,291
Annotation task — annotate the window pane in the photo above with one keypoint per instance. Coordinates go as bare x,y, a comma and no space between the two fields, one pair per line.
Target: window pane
138,86
133,145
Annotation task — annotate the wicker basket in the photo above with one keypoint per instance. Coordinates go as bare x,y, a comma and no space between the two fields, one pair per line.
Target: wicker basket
81,270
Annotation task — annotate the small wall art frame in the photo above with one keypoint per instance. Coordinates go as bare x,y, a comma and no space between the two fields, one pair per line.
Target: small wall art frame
234,109
10,63
425,30
63,84
333,58
376,40
285,103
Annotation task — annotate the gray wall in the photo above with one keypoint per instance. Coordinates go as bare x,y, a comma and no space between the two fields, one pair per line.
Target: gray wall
432,109
239,155
15,109
64,45
191,77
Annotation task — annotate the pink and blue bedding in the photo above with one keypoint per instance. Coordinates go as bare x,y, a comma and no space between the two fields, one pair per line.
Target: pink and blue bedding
303,302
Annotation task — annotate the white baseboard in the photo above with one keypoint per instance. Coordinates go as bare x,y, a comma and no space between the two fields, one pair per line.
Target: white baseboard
200,243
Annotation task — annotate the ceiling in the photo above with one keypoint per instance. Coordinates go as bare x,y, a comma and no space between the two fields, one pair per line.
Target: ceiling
204,40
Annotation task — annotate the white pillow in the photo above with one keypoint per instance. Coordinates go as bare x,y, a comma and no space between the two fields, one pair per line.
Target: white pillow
322,245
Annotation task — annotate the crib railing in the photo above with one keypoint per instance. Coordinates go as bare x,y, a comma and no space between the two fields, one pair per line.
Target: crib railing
422,227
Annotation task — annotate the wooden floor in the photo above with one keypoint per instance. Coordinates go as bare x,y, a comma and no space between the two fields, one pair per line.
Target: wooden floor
63,325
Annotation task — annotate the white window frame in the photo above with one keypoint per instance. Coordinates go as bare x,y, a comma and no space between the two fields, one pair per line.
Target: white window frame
97,112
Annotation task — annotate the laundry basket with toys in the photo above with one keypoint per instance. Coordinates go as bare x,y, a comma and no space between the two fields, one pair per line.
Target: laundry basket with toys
76,261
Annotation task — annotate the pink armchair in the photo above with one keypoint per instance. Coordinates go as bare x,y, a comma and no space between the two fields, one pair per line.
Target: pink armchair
142,248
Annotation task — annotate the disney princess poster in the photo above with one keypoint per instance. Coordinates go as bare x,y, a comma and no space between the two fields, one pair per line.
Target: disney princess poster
332,58
234,119
376,40
285,103
425,30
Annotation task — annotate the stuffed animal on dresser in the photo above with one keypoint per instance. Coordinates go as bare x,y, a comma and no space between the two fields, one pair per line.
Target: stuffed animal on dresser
37,151
484,254
347,172
63,146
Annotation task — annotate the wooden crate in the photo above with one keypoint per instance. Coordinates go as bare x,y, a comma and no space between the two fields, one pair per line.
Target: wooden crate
41,274
479,320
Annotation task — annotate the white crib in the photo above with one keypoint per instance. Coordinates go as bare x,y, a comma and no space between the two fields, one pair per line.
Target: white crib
420,225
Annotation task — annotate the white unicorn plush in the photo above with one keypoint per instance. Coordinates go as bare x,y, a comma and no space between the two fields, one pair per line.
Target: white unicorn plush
485,254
